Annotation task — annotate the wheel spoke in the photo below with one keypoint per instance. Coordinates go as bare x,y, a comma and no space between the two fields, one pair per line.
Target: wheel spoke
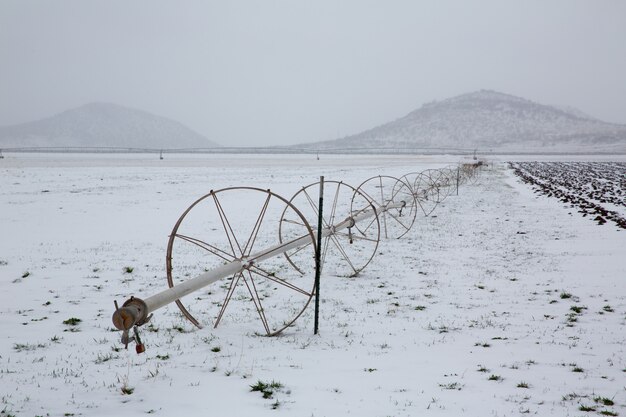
274,278
324,252
398,221
293,222
256,228
368,225
227,228
257,301
208,247
344,255
334,206
382,201
311,203
229,294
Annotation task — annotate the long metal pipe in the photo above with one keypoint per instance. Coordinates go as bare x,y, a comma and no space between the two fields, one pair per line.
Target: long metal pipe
135,311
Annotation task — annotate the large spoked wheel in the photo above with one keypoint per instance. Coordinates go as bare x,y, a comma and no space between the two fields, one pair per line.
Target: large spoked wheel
442,178
394,201
346,249
426,192
239,225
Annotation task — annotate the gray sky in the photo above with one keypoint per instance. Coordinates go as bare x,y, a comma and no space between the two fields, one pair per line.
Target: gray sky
249,73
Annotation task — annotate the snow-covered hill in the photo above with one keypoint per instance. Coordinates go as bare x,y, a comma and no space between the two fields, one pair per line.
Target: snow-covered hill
103,125
489,120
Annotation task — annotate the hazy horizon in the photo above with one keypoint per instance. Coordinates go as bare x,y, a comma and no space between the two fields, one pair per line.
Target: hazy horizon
248,73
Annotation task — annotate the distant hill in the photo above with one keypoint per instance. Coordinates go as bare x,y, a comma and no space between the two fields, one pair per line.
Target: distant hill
488,121
103,125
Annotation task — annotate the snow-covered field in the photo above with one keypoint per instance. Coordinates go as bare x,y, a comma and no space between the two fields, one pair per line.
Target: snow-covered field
500,303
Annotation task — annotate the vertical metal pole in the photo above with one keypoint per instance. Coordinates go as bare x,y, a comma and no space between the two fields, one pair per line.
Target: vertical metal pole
318,263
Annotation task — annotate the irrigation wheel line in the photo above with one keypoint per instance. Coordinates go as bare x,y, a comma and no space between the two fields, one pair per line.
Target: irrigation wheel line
218,237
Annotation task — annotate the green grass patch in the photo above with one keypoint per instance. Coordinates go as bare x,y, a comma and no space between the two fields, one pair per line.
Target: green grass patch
604,401
73,321
578,309
266,389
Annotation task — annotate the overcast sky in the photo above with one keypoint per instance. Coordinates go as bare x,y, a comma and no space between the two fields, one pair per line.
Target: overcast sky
249,73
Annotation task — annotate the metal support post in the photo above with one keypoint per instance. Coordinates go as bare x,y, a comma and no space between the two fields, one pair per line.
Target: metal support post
318,269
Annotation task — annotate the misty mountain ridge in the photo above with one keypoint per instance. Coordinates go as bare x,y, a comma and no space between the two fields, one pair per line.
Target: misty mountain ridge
489,121
103,125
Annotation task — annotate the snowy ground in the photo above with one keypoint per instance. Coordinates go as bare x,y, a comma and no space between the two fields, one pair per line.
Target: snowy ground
500,303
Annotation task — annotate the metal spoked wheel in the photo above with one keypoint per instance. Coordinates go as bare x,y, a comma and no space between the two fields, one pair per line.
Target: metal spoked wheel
395,202
443,178
426,191
345,249
240,224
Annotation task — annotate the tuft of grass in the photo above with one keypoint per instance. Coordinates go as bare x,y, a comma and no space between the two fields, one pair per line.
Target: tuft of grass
266,389
523,385
163,357
572,396
578,369
565,295
494,378
216,349
586,408
73,321
608,308
452,386
178,328
482,369
104,358
604,401
20,347
608,413
126,390
25,274
420,308
128,269
578,309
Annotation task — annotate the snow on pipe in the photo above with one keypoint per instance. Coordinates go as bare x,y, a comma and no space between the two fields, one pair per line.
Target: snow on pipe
382,196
